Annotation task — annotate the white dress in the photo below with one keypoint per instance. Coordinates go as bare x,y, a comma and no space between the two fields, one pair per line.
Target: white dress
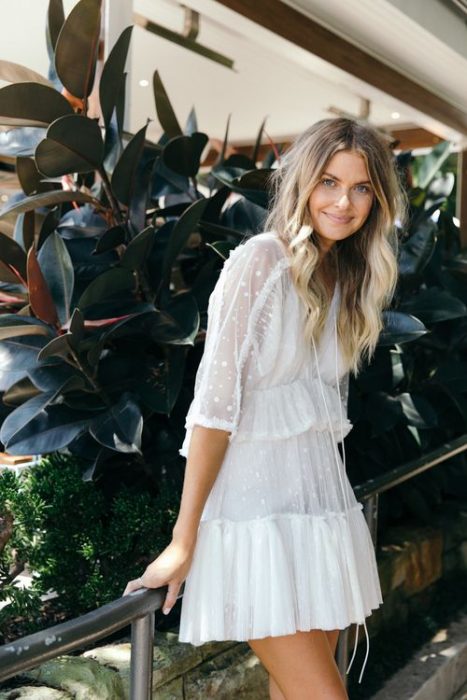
282,544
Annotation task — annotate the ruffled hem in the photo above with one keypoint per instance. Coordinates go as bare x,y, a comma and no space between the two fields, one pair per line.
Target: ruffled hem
286,410
275,575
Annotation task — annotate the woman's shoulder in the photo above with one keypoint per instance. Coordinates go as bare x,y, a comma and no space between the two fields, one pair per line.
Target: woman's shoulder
267,246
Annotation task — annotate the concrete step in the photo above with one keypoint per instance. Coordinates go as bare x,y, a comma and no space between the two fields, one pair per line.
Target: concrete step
461,694
438,671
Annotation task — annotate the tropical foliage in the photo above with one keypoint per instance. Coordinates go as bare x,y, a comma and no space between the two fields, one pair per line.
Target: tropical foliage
117,245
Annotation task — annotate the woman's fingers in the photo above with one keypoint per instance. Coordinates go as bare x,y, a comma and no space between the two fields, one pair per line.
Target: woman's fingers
171,597
133,585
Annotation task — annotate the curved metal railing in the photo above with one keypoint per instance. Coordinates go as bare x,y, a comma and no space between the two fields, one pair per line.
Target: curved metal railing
139,607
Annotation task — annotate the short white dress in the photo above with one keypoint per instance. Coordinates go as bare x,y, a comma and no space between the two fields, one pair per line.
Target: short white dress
283,544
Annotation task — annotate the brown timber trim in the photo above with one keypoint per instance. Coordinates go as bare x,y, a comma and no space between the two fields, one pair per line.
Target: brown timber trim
311,36
462,196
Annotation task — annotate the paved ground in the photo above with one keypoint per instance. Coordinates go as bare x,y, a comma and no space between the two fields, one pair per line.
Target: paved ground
437,672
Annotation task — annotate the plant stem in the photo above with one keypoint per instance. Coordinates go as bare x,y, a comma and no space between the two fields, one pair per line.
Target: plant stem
110,196
98,389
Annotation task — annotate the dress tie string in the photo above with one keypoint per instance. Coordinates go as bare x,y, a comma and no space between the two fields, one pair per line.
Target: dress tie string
339,464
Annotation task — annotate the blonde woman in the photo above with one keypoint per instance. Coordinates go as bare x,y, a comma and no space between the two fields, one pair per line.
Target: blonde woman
270,539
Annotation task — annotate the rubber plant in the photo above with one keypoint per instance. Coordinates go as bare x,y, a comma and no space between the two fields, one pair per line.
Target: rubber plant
115,251
117,245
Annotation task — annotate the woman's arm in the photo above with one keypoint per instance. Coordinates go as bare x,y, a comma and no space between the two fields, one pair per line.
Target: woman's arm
171,567
205,457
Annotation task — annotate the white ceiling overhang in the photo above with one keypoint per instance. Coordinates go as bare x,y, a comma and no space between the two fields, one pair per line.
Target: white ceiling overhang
422,39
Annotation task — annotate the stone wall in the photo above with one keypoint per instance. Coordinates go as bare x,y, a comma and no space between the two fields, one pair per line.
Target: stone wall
409,561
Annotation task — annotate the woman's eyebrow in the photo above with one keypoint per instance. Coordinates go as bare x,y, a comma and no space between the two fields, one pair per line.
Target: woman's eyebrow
364,182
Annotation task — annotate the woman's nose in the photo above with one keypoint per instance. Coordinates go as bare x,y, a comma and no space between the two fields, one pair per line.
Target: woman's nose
343,199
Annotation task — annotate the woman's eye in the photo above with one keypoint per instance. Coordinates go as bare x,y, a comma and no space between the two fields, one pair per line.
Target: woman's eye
327,182
363,189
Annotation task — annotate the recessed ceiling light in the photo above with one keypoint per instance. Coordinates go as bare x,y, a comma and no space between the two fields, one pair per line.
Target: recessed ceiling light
144,83
395,115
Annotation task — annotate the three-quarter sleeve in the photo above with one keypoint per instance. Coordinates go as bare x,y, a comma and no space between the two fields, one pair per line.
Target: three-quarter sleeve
239,314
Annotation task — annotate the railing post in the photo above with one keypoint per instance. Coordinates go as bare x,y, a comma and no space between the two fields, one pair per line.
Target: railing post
370,509
342,654
142,643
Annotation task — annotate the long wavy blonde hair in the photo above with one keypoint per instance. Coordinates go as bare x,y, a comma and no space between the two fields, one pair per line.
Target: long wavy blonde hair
365,263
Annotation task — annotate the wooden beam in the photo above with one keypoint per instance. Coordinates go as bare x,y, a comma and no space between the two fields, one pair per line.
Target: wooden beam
413,138
311,36
461,199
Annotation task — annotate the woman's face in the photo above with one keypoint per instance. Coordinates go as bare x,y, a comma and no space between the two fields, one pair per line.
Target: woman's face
341,201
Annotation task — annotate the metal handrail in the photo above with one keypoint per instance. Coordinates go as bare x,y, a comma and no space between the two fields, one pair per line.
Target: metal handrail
138,608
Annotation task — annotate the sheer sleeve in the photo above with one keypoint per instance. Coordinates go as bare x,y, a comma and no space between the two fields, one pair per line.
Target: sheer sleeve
239,315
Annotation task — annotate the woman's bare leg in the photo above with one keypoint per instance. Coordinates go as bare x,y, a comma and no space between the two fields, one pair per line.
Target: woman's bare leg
275,693
302,666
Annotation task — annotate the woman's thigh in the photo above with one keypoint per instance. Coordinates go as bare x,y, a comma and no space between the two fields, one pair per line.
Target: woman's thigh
302,665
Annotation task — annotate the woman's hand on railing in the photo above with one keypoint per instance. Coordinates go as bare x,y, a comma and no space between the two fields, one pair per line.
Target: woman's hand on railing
170,568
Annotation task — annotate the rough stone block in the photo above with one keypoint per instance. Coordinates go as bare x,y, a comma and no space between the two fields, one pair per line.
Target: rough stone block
84,679
424,563
36,693
236,673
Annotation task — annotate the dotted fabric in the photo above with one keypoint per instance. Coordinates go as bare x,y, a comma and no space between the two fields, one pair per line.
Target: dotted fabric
282,543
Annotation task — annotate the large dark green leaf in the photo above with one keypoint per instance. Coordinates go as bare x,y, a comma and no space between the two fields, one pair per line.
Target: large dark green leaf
7,320
18,393
232,176
184,227
417,410
110,239
433,305
432,163
400,328
16,421
16,73
123,177
416,252
57,268
112,74
120,428
57,347
164,109
21,353
73,145
182,154
22,330
106,285
184,309
191,125
7,275
76,48
30,178
255,155
51,429
51,375
45,199
31,104
55,21
12,254
138,249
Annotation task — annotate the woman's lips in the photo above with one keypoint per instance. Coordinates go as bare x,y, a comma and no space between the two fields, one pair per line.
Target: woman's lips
338,219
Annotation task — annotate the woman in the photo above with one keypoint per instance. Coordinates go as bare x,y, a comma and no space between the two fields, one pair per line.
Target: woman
270,539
